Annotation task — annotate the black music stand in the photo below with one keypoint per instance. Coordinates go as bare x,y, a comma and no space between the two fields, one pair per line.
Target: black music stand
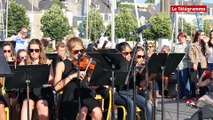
164,64
110,67
12,42
4,68
27,76
54,57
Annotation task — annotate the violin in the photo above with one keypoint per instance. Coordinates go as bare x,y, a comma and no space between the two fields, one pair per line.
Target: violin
85,63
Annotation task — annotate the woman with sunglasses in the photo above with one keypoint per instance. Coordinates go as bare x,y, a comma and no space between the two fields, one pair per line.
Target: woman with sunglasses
125,93
8,51
40,98
66,80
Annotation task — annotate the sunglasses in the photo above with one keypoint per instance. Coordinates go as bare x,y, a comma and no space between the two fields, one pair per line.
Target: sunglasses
77,51
36,50
24,33
127,53
140,56
9,51
22,57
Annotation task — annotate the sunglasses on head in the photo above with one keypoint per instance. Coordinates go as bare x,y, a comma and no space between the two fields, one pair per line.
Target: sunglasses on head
9,51
77,51
140,56
127,53
36,50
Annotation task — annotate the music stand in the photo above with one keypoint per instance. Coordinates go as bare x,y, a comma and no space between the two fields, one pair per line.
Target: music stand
164,64
12,42
28,76
101,76
4,68
54,58
112,62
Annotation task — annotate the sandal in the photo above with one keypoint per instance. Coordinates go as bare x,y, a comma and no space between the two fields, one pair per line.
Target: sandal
193,105
157,95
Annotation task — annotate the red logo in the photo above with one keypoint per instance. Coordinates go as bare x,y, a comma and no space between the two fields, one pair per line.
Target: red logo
188,8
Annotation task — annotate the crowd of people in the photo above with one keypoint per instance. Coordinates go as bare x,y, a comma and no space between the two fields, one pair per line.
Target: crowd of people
192,73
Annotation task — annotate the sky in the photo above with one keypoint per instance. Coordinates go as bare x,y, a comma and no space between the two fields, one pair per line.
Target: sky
140,1
208,1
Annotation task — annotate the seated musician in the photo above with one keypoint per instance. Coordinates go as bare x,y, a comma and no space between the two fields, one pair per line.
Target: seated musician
140,66
125,95
8,50
45,44
21,57
61,51
40,98
66,81
165,49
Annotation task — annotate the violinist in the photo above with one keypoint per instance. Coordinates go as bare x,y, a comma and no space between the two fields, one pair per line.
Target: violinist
66,80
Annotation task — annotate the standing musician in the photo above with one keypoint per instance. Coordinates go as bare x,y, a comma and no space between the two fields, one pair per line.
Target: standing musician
41,98
66,81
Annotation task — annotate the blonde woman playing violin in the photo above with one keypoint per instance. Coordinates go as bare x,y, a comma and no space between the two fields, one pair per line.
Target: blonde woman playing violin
66,81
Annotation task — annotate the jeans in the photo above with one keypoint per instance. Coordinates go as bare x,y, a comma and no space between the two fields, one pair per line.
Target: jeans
210,66
184,84
125,98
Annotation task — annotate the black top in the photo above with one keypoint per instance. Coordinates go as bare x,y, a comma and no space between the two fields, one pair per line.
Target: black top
69,104
139,78
69,91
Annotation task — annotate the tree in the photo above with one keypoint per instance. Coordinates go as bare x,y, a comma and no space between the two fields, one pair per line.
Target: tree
161,27
187,27
95,25
125,22
17,18
150,1
55,24
207,26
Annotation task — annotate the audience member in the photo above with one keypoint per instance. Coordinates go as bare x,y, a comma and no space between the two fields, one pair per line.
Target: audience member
183,69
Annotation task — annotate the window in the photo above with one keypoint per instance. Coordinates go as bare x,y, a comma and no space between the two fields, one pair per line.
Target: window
109,17
97,7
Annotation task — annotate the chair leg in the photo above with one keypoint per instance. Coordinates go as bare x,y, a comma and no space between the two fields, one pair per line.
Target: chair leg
7,113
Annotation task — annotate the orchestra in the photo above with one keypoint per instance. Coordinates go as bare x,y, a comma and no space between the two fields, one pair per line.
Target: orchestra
69,78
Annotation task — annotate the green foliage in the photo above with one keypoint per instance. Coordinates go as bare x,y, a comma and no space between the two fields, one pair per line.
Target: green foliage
207,26
125,6
149,1
55,24
17,18
125,22
161,27
187,27
95,25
